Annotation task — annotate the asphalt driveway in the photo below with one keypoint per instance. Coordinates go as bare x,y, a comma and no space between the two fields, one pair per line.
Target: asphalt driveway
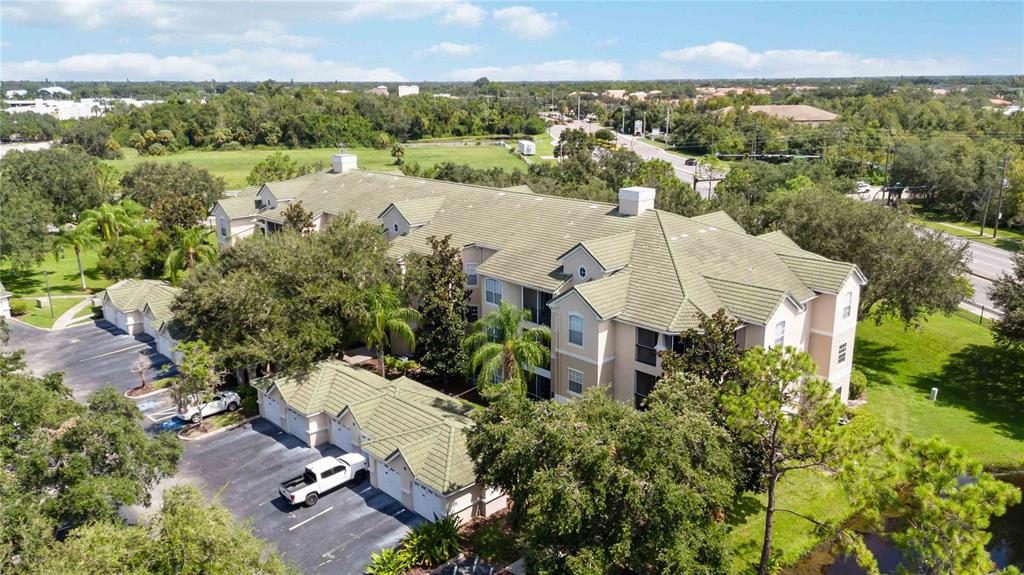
243,467
91,356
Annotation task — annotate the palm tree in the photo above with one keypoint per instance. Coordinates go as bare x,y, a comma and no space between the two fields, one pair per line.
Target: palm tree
108,220
386,316
502,351
192,247
78,238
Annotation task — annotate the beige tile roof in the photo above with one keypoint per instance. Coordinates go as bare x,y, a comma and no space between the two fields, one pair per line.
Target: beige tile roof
669,257
748,303
242,205
402,417
418,211
522,188
780,239
794,112
606,296
134,294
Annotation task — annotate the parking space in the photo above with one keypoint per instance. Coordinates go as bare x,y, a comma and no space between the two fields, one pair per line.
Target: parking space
244,467
91,356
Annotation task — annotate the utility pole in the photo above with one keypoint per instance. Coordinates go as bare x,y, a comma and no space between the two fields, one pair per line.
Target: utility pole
49,299
999,209
668,121
577,107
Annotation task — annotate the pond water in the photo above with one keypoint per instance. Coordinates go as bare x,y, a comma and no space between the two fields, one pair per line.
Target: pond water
1006,546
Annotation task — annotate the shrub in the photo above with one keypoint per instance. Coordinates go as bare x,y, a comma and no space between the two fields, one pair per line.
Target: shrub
604,134
858,384
250,403
434,543
19,307
232,147
401,365
389,562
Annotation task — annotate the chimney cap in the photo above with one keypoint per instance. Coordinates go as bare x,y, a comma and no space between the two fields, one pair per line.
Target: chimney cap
637,193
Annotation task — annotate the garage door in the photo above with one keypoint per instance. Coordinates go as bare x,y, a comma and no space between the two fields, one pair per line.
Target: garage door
121,320
272,411
390,481
426,501
341,435
298,426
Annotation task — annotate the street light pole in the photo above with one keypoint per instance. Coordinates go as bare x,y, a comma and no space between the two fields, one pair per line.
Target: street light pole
999,209
48,298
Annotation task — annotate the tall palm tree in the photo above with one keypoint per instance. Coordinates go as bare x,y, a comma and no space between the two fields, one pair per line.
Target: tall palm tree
385,317
502,351
192,247
77,238
108,219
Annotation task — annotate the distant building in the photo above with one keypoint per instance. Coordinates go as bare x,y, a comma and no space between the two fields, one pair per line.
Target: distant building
799,113
638,95
408,91
55,91
72,109
616,94
343,91
999,102
15,93
379,91
526,147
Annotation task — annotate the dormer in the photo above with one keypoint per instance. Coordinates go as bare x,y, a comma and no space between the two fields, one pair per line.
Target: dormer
404,216
594,259
265,199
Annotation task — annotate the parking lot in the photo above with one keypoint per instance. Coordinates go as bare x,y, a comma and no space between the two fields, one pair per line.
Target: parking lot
243,468
91,356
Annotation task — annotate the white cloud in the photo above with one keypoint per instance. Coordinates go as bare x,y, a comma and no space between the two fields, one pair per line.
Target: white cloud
234,64
727,59
95,14
449,49
267,32
449,11
527,23
464,14
545,71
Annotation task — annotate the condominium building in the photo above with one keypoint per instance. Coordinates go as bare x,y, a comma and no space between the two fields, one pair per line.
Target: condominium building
616,283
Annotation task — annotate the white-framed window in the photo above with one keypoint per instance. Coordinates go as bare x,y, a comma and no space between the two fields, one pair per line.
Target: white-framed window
582,272
493,289
841,356
575,329
223,227
847,304
575,381
471,277
780,333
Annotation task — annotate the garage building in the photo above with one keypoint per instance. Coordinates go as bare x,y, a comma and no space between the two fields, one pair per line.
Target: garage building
159,323
412,436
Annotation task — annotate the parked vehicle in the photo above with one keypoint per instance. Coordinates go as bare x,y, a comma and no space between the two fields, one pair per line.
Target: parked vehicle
690,162
222,401
321,476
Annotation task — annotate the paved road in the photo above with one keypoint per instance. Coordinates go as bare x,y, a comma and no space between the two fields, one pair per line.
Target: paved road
644,150
987,263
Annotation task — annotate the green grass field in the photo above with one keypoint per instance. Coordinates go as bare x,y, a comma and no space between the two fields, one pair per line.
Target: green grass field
1007,239
40,317
63,276
981,385
235,166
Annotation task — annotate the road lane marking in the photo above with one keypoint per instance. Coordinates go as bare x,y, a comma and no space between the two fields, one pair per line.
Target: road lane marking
113,352
310,519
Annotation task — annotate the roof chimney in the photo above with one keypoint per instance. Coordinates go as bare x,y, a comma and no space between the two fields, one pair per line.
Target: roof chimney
343,163
635,200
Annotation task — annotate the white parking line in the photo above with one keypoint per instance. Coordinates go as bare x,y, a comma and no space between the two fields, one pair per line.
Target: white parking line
293,527
163,414
113,352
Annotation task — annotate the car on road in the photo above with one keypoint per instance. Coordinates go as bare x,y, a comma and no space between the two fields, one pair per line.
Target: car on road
322,476
222,401
691,162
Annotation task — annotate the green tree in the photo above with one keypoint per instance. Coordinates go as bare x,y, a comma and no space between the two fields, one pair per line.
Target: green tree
188,536
397,152
276,167
150,182
108,220
444,304
63,177
599,487
78,238
23,227
191,247
501,351
385,317
92,135
197,377
1007,292
296,218
709,350
673,195
793,416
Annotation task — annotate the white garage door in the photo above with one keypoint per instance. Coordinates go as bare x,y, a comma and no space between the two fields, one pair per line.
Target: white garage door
297,425
390,481
121,320
426,502
272,411
341,435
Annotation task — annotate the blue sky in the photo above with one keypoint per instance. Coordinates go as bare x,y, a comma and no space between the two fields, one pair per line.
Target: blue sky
460,40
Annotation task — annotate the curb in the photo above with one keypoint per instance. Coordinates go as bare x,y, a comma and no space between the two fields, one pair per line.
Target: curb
217,431
150,394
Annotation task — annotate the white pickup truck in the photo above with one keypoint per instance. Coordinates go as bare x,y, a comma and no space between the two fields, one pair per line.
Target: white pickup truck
321,476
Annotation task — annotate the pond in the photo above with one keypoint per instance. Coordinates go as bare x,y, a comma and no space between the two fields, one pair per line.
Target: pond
1006,546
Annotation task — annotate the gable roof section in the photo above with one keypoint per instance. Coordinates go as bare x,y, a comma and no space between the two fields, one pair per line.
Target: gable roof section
134,294
606,296
610,252
780,239
240,206
400,417
748,303
822,274
417,211
720,219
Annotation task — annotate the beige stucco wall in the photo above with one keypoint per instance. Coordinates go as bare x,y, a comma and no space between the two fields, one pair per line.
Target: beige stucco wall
626,364
392,218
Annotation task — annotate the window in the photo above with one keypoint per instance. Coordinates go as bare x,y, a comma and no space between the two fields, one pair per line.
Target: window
470,269
223,228
493,289
396,228
842,353
847,304
582,272
472,314
646,346
575,381
644,386
575,329
537,303
677,343
780,334
538,387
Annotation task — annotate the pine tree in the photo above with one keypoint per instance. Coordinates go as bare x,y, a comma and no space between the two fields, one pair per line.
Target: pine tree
444,304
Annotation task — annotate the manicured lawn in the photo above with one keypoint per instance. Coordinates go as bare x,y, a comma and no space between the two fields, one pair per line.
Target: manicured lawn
805,492
980,405
544,147
235,166
1008,239
40,317
667,148
63,276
